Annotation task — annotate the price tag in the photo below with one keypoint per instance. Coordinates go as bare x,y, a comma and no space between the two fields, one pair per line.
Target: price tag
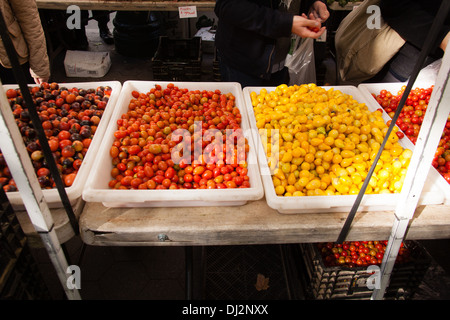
187,12
323,37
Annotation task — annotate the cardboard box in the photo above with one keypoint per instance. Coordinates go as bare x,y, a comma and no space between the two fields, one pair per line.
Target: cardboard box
87,64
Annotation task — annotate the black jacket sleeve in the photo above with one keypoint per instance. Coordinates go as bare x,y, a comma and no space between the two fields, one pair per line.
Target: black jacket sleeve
248,31
412,19
264,20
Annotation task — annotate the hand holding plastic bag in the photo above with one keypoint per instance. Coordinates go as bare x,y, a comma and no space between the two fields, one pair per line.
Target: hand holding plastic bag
301,63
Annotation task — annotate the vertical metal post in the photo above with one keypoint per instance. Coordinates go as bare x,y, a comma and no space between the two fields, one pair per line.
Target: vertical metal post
19,163
425,51
427,142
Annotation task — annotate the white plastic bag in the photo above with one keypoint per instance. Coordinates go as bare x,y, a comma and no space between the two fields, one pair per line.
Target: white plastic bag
301,63
429,74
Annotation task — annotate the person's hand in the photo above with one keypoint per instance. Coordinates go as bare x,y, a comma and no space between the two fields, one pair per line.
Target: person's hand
40,80
307,28
320,11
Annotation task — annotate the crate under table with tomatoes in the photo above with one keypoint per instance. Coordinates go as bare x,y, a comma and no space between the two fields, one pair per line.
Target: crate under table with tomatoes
340,271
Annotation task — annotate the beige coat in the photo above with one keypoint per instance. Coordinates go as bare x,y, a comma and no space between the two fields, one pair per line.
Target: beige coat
25,29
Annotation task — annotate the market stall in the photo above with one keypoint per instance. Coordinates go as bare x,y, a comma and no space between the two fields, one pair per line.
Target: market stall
137,223
109,217
126,218
253,223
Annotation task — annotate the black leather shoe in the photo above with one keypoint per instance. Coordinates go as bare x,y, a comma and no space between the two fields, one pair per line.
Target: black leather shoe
106,36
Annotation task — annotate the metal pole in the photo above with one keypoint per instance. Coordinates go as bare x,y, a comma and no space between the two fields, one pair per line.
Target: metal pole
19,163
34,116
427,46
427,142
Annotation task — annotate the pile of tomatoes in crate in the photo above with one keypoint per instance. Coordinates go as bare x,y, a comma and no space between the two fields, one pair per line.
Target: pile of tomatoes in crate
175,138
358,253
410,121
321,141
69,117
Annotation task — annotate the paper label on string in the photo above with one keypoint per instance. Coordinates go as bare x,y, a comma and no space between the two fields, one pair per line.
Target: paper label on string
187,12
323,37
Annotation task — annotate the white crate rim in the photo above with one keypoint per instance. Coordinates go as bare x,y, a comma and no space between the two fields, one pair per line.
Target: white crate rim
368,88
74,192
184,197
335,203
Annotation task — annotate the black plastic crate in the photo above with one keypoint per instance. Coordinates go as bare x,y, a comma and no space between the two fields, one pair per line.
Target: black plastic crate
342,282
23,280
177,59
12,237
216,67
19,274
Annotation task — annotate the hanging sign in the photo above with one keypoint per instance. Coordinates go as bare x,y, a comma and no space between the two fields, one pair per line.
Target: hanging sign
187,12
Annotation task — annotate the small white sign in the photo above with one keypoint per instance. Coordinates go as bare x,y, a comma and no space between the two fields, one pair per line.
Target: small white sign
188,12
323,37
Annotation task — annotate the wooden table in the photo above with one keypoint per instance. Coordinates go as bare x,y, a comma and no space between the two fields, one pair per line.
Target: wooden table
125,5
252,223
62,225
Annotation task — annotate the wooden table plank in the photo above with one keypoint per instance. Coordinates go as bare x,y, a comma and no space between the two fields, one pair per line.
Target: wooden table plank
63,228
114,5
253,223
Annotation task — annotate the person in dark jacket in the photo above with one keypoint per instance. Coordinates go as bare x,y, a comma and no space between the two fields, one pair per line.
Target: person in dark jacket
412,19
253,37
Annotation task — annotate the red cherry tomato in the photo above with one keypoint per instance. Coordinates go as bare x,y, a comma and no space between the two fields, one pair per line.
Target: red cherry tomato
69,179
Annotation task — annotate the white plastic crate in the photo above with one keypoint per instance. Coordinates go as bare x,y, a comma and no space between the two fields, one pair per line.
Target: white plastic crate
97,189
339,203
74,192
367,89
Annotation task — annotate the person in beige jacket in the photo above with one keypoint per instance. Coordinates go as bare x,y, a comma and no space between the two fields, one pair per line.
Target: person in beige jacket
26,32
